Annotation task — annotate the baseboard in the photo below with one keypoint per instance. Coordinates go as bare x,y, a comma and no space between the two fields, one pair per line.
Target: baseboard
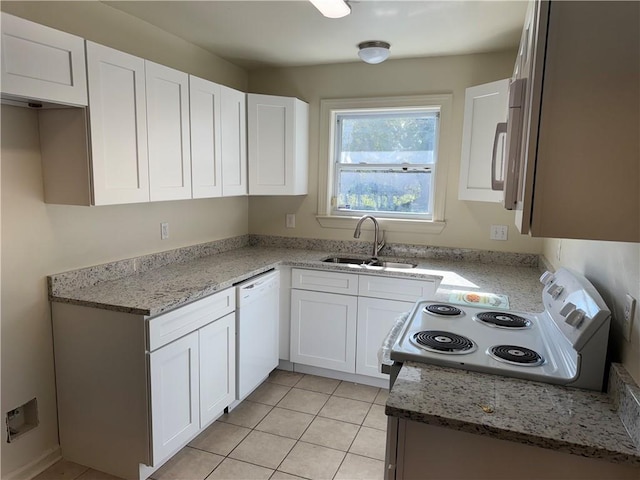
36,467
348,377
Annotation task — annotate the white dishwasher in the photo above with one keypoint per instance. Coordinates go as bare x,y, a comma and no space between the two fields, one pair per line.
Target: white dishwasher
257,322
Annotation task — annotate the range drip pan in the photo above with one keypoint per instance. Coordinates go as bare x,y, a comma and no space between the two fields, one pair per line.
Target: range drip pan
503,320
439,341
516,355
443,310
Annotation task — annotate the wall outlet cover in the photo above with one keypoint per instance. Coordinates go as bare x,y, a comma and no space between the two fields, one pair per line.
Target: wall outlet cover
290,220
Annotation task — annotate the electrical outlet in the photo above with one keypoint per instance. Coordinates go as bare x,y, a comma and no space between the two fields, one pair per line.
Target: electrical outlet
164,231
290,220
627,320
499,232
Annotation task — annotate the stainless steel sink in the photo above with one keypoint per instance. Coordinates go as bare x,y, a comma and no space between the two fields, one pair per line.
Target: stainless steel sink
369,262
392,264
349,260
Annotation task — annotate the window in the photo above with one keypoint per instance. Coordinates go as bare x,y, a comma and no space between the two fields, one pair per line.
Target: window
385,162
387,157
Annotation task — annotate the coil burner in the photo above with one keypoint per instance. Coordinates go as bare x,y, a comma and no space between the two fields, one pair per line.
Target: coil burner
444,310
516,355
503,320
443,342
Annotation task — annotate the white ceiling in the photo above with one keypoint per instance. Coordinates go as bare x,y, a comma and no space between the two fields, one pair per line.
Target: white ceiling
254,34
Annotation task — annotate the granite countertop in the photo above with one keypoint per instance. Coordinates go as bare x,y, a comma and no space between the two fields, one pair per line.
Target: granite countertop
566,419
157,290
561,418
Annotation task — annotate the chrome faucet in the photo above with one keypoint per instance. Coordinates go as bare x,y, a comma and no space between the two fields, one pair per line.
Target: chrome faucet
377,244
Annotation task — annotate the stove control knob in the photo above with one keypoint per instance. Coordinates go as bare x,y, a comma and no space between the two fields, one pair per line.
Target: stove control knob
555,290
547,277
567,308
575,318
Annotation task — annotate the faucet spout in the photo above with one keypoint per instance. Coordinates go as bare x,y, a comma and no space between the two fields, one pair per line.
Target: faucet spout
378,238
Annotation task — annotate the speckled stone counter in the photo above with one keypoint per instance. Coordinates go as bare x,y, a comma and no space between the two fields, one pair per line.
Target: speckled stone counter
132,286
549,416
575,421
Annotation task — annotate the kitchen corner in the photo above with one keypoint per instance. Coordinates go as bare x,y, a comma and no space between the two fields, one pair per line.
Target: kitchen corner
541,416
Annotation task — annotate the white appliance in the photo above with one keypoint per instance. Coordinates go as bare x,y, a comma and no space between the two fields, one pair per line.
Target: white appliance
565,344
257,316
524,94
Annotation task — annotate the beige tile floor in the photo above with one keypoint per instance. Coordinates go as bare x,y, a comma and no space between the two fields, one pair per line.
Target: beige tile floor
292,426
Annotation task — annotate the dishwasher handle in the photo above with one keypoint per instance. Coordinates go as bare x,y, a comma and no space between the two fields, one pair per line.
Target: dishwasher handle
257,287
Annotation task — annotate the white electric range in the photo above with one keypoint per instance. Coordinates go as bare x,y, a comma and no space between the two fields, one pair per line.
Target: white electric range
565,344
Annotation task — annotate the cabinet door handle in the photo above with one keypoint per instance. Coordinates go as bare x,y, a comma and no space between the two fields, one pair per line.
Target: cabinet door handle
497,183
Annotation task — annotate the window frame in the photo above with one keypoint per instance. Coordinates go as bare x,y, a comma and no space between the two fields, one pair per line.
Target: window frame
329,108
337,144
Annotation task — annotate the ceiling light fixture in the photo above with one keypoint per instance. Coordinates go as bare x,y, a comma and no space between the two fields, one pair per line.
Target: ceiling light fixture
332,8
373,51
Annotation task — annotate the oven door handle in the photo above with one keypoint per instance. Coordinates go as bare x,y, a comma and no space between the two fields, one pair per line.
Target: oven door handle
497,183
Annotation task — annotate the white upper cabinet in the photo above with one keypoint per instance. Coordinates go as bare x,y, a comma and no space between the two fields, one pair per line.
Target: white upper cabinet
485,106
206,165
168,132
233,126
278,142
118,123
41,63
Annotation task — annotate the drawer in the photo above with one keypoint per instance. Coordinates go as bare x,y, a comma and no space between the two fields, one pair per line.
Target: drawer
396,288
170,326
323,281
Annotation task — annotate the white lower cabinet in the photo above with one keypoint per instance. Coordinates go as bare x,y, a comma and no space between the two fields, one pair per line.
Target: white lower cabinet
132,390
376,316
175,393
323,330
344,331
217,348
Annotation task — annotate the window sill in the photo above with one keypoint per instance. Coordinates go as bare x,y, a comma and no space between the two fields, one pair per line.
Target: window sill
389,224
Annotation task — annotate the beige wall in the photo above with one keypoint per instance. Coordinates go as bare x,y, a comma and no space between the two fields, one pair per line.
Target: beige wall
614,269
39,239
468,223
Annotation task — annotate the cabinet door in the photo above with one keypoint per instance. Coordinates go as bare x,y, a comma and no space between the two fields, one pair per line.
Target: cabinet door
405,289
278,145
323,330
484,107
42,63
174,396
206,166
323,281
375,319
233,125
168,130
118,119
217,342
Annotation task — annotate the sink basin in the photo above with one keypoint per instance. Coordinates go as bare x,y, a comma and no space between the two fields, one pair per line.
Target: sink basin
349,260
392,264
369,262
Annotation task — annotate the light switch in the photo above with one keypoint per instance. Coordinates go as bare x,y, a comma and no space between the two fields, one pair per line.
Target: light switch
499,232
